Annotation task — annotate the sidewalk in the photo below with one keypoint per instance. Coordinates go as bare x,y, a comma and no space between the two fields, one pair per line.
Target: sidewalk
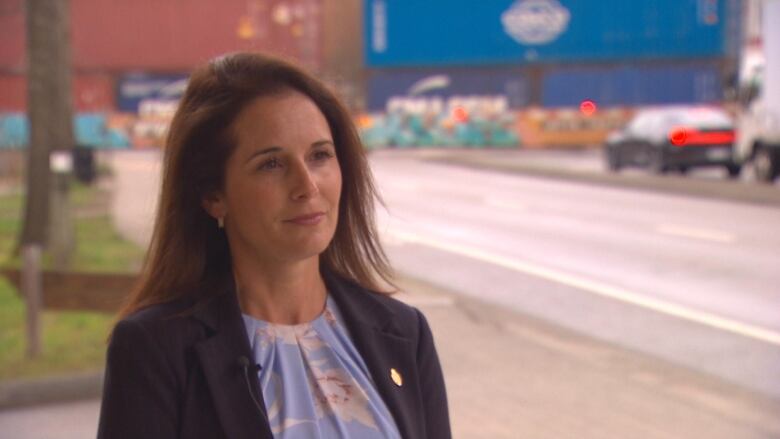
509,376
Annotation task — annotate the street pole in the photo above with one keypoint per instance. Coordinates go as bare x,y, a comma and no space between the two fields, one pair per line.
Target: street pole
31,285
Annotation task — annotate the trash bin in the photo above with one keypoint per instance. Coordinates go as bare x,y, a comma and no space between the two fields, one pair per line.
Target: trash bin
84,164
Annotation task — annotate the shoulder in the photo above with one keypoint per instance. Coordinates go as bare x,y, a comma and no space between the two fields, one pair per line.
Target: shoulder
166,326
380,309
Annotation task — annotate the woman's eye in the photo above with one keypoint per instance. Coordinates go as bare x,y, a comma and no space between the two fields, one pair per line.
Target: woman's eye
322,155
270,164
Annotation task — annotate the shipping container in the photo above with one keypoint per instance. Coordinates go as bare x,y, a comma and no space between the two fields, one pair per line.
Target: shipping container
12,36
173,35
421,85
179,34
91,92
464,32
133,89
13,93
630,85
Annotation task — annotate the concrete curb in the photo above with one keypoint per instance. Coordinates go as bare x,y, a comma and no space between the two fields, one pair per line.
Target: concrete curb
756,193
26,392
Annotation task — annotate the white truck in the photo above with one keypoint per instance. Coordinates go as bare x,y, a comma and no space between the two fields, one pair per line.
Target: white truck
758,119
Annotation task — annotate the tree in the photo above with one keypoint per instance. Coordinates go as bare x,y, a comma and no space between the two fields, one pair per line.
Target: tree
50,112
49,108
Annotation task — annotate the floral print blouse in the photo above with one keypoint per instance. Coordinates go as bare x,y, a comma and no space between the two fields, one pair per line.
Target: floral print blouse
314,382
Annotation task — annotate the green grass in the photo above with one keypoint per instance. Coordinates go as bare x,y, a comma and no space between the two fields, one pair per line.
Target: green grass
72,341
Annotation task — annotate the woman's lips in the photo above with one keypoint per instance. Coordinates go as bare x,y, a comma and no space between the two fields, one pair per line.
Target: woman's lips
307,220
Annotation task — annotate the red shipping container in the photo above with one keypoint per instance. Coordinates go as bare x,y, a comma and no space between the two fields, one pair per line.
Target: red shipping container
91,93
13,93
173,35
12,34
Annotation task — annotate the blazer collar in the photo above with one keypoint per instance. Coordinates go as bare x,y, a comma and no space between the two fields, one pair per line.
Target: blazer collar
372,327
220,356
383,346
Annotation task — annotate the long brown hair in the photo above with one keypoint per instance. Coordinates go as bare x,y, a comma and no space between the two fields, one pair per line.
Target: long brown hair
188,254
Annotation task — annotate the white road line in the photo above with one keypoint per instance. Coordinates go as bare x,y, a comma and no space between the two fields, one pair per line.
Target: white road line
596,287
503,204
695,233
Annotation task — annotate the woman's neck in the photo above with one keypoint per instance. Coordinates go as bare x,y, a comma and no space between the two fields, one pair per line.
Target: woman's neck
290,294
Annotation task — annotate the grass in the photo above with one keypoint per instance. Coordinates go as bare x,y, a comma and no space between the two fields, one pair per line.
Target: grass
71,341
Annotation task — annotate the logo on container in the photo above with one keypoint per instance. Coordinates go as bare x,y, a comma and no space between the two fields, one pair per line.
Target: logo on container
535,21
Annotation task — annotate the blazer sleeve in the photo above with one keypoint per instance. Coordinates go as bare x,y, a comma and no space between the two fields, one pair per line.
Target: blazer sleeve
434,394
139,392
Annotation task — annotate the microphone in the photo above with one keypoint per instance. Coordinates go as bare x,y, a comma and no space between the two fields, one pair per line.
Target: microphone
246,365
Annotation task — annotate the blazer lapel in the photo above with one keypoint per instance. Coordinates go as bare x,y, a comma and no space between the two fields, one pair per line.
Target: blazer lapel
383,349
219,356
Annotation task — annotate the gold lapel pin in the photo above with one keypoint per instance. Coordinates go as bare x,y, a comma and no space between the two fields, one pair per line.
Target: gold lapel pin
396,377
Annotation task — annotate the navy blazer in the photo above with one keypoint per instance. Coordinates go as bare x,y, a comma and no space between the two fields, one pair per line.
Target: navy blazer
175,370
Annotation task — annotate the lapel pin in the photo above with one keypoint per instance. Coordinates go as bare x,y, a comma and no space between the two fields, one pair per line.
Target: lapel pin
396,377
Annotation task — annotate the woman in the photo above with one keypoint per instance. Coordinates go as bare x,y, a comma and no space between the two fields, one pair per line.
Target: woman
258,314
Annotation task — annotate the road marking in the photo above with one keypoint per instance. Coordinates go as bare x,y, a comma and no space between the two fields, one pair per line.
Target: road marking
596,287
695,233
507,205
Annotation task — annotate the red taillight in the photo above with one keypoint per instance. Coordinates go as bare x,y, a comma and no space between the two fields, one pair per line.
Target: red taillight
682,136
678,136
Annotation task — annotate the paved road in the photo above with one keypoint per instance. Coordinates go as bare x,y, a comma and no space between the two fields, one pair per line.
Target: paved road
693,281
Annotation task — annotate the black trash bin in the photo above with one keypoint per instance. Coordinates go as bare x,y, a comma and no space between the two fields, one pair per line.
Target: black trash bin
84,164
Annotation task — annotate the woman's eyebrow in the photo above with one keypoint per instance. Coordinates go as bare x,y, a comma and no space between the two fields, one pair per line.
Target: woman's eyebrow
322,142
262,152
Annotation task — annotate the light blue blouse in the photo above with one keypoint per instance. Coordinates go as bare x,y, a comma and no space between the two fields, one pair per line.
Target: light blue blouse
314,382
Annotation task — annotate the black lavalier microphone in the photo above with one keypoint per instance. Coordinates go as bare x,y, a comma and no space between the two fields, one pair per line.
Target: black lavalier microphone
246,365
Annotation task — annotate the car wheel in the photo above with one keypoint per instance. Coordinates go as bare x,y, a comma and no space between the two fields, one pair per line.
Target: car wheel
613,162
683,169
765,165
733,170
658,161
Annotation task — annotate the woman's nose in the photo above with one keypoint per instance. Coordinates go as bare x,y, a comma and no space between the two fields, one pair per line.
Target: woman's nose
304,185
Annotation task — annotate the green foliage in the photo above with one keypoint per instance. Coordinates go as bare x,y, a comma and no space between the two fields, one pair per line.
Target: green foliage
71,341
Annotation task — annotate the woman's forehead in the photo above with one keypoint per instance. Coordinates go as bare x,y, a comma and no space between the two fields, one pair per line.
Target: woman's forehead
284,120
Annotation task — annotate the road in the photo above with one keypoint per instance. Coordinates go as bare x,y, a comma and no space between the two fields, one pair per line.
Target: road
692,281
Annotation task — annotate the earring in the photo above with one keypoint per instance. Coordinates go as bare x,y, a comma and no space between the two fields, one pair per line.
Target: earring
221,222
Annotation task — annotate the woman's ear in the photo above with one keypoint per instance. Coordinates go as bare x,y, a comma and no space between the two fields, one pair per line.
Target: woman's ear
214,204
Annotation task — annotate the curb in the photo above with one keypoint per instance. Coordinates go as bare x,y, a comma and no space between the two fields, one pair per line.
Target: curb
26,392
757,194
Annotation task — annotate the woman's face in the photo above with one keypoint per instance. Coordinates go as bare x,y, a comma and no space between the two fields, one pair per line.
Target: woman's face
280,200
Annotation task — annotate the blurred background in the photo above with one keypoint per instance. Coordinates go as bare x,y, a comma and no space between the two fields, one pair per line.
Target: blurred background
581,196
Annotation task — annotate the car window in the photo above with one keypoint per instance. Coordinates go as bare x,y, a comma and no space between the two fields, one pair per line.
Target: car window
699,118
640,123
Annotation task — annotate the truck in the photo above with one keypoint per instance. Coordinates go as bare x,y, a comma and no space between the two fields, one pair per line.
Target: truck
758,116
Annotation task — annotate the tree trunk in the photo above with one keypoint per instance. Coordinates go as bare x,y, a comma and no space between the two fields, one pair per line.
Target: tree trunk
50,112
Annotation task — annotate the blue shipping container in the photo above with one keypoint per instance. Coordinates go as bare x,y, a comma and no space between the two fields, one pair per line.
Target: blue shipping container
445,84
134,88
464,32
629,85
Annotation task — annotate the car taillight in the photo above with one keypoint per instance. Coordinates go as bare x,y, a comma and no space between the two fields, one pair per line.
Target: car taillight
683,136
678,136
